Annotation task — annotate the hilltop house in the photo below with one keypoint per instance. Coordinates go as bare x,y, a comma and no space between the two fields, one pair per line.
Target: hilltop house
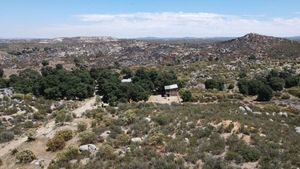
171,90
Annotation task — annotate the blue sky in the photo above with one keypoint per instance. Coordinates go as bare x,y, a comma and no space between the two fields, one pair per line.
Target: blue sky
144,18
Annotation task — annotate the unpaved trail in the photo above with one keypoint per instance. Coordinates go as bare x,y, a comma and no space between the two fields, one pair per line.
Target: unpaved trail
46,130
6,147
88,105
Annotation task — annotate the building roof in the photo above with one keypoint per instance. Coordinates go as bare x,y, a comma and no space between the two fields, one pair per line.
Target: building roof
126,80
170,87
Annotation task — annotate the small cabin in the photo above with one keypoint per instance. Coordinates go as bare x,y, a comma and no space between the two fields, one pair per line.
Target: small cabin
171,90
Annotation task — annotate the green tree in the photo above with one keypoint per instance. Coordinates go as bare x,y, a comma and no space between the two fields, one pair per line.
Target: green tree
81,126
25,156
87,137
45,62
265,93
56,143
214,84
292,81
186,95
276,83
1,72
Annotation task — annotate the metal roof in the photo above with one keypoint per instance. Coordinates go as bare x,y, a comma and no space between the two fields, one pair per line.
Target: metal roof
170,87
126,80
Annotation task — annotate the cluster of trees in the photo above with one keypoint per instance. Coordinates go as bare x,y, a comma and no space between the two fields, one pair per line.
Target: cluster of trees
53,83
263,86
80,83
144,83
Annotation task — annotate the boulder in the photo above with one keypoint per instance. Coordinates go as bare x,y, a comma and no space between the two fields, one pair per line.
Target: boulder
88,147
137,140
248,109
105,134
298,129
242,109
257,113
283,114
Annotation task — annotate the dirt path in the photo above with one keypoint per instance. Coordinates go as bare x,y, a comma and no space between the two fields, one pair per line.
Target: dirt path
88,105
46,130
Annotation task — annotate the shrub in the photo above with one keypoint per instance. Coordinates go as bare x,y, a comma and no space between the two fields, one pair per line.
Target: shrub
164,119
56,143
62,116
254,86
233,156
87,137
250,154
6,136
81,126
105,152
276,83
295,91
31,134
156,139
63,158
216,144
231,86
214,84
45,62
211,163
28,124
25,156
292,81
243,86
265,93
122,139
186,96
66,134
71,152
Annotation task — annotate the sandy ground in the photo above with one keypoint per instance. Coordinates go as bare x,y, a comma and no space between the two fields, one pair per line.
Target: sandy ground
163,100
47,130
88,105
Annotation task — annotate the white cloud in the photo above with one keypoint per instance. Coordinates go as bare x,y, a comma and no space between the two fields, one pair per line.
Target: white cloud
175,24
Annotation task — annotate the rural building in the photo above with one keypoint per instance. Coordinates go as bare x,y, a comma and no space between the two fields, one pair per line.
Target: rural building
126,80
171,90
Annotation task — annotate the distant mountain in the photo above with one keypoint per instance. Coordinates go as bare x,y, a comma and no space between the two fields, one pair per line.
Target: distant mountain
191,40
252,43
105,51
296,38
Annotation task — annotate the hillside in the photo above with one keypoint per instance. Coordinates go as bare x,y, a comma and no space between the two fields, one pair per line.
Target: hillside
107,51
260,46
222,112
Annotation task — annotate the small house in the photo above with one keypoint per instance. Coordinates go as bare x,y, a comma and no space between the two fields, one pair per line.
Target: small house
171,90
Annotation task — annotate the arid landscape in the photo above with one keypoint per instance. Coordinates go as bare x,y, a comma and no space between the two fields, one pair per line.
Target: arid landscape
150,84
236,103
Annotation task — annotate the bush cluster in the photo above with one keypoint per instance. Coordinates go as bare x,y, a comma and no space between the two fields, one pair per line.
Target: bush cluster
214,84
25,156
263,86
58,142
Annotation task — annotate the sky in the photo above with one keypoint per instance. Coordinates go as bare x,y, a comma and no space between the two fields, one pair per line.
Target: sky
148,18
